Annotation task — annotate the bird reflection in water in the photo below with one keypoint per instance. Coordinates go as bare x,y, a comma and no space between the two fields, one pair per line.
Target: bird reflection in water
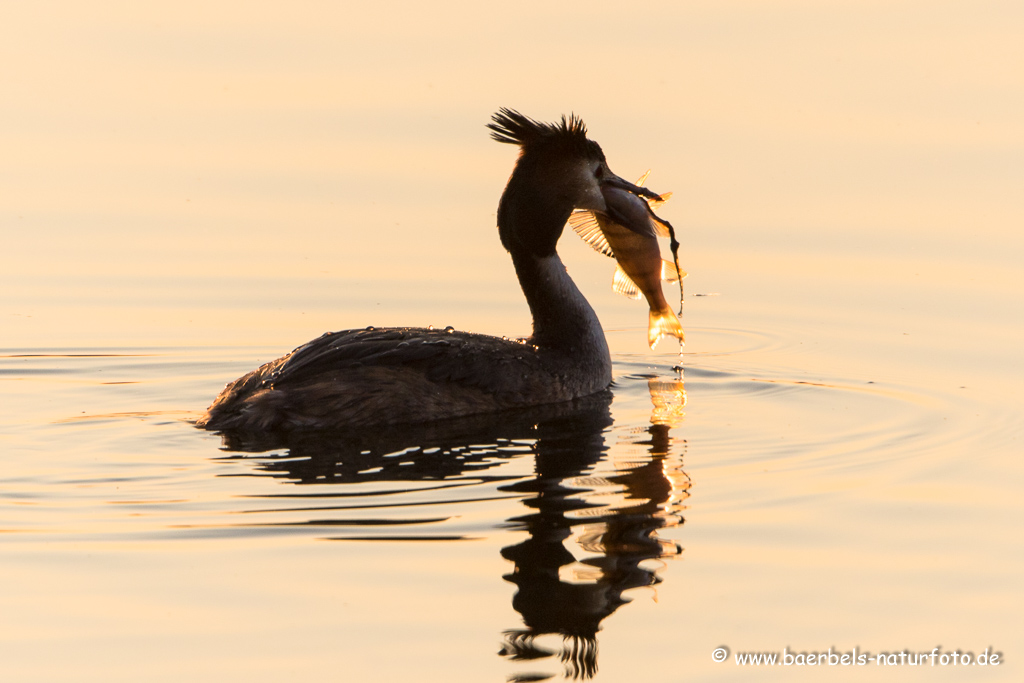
611,521
592,517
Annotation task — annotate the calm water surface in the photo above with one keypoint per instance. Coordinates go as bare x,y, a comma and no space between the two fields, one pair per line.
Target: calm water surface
745,503
834,462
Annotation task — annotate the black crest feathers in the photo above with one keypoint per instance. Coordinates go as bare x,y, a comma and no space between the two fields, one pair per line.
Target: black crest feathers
511,127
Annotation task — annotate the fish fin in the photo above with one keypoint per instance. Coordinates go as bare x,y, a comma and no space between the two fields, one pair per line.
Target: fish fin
662,323
656,203
622,284
586,226
669,273
662,198
661,228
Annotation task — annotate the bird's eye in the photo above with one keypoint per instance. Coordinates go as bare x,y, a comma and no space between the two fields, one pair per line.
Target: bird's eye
598,172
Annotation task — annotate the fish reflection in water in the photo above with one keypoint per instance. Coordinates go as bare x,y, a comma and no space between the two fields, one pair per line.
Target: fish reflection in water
583,499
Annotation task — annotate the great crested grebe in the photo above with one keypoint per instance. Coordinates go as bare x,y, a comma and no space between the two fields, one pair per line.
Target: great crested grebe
375,377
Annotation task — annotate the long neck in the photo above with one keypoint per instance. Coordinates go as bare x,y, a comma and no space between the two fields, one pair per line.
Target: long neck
562,317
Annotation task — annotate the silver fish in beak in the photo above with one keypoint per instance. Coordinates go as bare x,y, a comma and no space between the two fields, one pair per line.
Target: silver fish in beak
628,231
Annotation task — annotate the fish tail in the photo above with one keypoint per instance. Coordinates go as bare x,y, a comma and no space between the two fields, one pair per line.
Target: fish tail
661,323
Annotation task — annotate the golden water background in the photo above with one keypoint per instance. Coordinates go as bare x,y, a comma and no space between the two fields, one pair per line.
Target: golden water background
189,189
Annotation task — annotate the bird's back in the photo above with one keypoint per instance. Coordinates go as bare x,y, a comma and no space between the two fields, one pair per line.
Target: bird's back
362,378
